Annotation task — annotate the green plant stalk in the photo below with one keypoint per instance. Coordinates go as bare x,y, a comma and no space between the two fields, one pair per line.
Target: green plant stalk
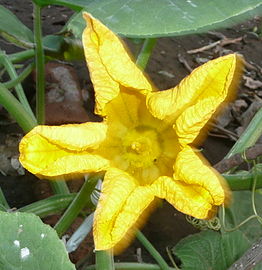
243,181
16,110
104,260
155,254
131,266
81,199
3,200
49,206
18,88
40,66
59,187
20,77
249,137
145,53
21,56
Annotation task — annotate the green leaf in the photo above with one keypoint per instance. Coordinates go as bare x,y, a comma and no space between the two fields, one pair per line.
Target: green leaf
28,244
14,30
241,209
166,17
74,4
211,250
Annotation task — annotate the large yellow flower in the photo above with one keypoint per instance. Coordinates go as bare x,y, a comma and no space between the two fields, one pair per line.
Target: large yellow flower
146,142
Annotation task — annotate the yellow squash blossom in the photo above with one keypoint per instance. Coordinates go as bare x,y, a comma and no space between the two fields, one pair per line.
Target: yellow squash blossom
145,143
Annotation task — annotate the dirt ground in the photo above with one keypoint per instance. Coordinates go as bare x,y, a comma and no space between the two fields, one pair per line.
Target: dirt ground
170,62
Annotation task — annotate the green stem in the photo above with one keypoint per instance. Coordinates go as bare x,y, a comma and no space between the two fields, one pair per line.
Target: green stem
243,181
81,199
104,260
249,136
59,187
49,206
155,254
3,200
16,110
18,88
20,77
21,56
40,66
131,266
145,52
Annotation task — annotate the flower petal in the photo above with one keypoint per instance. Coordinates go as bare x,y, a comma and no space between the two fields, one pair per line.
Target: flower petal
109,64
188,198
215,79
194,118
77,137
64,156
191,168
120,206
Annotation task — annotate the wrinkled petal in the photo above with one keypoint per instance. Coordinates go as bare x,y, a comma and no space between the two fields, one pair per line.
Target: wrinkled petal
46,156
191,168
190,199
215,79
109,64
72,136
194,118
121,204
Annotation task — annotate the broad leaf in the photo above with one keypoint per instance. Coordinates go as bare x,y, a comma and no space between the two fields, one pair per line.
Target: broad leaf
28,244
211,250
14,30
164,18
241,209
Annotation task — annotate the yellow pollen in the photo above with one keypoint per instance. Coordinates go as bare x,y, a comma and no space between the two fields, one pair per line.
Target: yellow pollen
138,147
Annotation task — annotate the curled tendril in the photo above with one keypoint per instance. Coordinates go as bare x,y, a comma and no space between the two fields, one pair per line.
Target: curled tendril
213,224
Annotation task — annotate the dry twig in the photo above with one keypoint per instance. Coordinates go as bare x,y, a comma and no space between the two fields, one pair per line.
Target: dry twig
237,159
223,42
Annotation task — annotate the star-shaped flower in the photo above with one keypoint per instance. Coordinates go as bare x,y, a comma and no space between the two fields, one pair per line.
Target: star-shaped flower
145,143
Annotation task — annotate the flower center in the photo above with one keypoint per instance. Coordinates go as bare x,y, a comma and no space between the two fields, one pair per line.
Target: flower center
141,147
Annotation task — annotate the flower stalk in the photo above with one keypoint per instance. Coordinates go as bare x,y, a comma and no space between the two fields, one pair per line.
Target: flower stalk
104,260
